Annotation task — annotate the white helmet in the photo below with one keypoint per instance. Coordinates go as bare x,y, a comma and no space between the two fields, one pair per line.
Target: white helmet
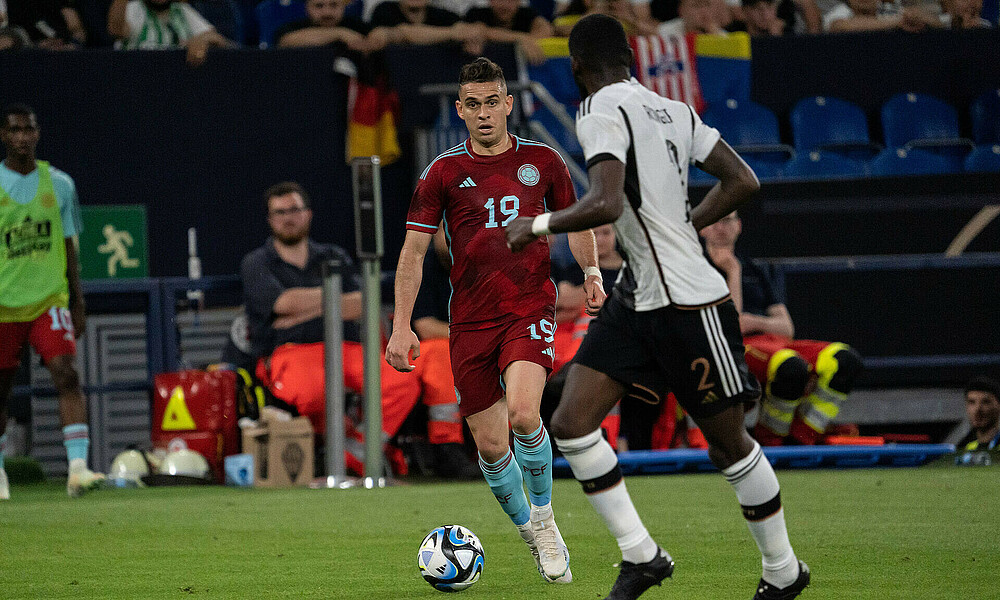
128,468
185,462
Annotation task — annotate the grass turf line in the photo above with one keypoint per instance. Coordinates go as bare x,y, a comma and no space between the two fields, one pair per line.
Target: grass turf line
867,534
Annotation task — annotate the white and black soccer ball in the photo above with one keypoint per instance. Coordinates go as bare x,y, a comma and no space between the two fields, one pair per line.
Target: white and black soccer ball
451,558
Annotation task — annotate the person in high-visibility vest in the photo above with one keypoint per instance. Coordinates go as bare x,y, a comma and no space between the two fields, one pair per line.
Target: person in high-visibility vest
41,301
805,381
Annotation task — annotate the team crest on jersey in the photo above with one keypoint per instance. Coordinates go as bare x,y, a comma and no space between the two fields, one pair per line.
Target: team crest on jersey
528,174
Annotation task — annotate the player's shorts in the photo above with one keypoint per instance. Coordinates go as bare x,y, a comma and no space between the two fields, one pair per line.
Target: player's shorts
695,353
479,357
761,347
50,334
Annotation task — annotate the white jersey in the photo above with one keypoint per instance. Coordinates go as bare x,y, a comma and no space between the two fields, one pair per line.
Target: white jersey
656,138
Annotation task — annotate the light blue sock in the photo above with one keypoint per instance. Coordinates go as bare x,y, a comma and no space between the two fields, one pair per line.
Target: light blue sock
3,443
504,477
534,454
76,438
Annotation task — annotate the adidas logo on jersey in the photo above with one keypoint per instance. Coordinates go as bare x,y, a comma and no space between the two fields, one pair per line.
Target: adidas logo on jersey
467,183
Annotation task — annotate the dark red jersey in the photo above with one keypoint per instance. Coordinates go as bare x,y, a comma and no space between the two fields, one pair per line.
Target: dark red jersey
477,196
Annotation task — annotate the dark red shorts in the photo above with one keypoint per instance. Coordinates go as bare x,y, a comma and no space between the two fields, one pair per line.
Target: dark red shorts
479,357
51,335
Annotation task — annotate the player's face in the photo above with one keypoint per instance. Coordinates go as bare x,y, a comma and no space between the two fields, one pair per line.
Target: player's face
20,135
982,408
289,218
484,108
327,13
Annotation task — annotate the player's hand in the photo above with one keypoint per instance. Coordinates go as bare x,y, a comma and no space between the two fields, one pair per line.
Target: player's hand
397,351
78,314
594,287
519,233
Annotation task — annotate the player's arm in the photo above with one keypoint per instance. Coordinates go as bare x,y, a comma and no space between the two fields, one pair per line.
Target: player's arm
777,321
409,273
583,245
77,306
737,184
602,204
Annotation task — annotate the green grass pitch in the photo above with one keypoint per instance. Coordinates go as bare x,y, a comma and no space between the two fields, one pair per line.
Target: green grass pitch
928,533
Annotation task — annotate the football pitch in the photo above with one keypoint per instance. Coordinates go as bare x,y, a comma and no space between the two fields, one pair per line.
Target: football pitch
927,533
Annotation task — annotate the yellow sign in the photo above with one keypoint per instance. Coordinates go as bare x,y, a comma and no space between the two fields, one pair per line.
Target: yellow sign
177,417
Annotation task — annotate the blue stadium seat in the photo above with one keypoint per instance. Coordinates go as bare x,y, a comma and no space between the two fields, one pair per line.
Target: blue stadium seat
917,120
984,159
823,165
750,128
556,77
899,161
985,113
272,14
824,123
224,15
764,169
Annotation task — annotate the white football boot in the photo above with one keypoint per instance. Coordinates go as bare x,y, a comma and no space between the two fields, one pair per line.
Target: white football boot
4,486
81,479
553,556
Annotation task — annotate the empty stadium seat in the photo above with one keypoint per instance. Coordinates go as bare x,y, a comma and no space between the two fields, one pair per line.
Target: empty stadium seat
824,123
823,165
985,113
984,159
750,128
272,14
224,15
899,161
917,120
556,77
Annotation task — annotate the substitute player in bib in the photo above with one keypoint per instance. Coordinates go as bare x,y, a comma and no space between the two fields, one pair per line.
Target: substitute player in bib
41,301
502,310
669,322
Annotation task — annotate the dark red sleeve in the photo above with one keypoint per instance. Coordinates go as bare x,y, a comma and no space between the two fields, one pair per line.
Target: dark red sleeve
561,191
427,203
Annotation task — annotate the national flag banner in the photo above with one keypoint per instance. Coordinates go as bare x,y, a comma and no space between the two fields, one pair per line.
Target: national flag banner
667,65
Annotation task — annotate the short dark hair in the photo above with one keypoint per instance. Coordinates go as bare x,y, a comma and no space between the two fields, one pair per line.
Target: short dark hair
983,383
481,70
285,187
598,42
16,109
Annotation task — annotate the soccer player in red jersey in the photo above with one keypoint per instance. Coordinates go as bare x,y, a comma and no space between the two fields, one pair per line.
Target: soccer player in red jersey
502,310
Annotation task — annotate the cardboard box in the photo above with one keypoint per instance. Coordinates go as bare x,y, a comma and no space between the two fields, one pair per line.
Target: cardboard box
282,452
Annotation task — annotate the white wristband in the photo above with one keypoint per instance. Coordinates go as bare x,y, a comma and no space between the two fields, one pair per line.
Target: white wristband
593,272
540,226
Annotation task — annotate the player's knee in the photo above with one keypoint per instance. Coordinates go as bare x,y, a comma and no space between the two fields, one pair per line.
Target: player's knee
790,378
64,376
848,365
523,420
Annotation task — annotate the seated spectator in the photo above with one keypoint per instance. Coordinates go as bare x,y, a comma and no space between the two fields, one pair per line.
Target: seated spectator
50,24
325,25
622,10
963,14
694,16
507,21
283,300
874,15
760,18
982,406
805,381
414,22
163,24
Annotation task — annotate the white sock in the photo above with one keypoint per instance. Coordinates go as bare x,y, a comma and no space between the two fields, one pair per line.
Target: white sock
757,490
595,466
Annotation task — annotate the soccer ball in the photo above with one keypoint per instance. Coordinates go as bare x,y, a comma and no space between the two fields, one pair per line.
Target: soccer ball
451,558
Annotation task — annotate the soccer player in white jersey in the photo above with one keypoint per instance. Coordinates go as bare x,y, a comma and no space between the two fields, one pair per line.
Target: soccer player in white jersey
670,321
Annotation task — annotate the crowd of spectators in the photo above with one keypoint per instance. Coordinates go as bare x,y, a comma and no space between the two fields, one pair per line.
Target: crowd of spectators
368,26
